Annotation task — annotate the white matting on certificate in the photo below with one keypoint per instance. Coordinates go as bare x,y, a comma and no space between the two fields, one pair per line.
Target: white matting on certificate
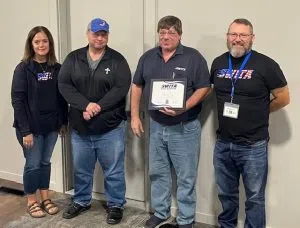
167,93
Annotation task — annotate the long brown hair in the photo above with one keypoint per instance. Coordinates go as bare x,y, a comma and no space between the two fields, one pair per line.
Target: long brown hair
29,52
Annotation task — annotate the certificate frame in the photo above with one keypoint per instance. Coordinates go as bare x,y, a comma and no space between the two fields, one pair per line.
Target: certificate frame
169,91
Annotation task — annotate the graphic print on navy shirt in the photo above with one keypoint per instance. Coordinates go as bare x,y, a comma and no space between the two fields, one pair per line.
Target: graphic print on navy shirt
42,72
47,97
44,76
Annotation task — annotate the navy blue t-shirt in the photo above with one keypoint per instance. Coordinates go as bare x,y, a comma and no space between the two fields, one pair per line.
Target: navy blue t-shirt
47,98
252,93
185,63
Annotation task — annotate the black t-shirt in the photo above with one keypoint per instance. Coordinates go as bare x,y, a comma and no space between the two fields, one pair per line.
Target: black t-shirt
47,98
252,93
186,63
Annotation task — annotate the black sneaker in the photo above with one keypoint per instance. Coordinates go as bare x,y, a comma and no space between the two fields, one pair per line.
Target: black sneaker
169,225
73,210
114,216
186,226
154,221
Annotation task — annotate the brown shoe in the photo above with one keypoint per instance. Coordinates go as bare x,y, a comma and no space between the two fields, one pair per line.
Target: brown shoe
33,208
50,207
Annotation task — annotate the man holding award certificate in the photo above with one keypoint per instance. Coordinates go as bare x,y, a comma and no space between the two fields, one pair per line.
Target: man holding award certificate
175,79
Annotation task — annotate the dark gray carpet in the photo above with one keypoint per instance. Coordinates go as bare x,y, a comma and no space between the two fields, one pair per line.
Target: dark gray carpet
12,210
95,217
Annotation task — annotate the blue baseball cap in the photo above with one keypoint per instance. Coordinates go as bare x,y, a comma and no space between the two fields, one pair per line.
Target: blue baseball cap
97,25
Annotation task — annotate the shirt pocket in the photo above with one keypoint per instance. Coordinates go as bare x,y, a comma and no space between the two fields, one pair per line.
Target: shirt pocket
179,72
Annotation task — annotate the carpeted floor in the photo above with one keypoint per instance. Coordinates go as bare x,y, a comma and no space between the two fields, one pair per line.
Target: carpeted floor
13,215
95,217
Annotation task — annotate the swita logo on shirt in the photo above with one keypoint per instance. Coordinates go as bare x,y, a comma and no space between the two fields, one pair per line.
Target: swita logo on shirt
245,74
45,76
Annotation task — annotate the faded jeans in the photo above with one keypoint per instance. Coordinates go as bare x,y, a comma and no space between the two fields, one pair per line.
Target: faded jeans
175,146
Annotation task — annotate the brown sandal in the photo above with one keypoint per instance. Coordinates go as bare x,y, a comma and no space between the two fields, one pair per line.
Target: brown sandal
47,205
35,207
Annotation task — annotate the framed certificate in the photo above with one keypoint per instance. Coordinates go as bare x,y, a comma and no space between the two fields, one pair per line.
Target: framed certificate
168,93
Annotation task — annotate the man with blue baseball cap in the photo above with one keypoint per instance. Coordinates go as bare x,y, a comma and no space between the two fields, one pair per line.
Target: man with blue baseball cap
95,80
97,25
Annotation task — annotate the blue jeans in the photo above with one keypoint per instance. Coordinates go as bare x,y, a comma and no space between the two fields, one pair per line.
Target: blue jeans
109,149
178,146
37,167
251,161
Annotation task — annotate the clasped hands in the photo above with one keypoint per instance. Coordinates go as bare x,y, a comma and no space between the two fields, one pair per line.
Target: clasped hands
91,110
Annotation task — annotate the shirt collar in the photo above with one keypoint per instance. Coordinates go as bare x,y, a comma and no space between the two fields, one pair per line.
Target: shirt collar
106,55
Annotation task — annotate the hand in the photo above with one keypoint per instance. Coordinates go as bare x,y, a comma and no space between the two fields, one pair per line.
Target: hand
28,141
93,109
137,127
86,116
171,112
63,130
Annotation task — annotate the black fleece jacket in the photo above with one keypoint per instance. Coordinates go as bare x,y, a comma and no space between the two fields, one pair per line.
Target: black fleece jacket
107,85
24,98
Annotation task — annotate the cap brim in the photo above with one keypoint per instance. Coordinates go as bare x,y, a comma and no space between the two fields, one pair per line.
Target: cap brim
98,30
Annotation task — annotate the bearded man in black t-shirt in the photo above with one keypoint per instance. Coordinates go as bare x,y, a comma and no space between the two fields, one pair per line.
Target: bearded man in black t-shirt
243,81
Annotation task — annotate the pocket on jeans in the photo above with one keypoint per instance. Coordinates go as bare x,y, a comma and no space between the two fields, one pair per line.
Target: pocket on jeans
261,143
154,126
191,126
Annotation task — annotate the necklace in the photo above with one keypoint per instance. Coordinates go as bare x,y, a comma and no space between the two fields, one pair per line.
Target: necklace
43,69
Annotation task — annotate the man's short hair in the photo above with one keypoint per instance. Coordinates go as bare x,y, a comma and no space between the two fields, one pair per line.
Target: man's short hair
243,21
170,21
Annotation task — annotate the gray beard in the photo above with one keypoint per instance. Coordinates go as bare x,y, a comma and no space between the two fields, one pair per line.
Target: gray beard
237,52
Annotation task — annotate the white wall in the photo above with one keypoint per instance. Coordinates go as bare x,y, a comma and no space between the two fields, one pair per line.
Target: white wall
276,25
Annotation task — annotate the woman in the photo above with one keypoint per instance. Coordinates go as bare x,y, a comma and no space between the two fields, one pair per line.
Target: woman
40,113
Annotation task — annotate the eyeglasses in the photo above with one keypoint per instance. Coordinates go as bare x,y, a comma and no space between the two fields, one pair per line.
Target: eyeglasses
170,33
242,36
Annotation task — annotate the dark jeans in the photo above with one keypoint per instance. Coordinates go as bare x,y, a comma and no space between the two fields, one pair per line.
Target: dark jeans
37,167
251,161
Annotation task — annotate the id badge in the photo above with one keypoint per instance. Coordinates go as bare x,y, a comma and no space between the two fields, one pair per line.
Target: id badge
231,110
